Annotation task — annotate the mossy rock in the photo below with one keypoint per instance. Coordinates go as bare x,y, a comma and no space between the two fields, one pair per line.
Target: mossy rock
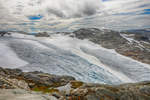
113,89
76,84
45,89
56,84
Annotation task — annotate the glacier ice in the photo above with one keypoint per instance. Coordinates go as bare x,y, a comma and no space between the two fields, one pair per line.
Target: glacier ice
64,55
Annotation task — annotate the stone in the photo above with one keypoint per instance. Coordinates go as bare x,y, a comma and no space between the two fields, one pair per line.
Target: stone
19,94
42,34
145,90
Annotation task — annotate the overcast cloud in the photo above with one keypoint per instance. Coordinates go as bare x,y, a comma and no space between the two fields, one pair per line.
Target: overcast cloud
51,15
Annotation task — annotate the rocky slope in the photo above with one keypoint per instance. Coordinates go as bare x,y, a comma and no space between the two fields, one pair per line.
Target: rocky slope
18,85
131,44
143,33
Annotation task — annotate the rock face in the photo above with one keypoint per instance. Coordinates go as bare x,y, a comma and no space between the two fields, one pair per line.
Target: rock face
143,34
18,85
136,46
43,34
139,91
15,78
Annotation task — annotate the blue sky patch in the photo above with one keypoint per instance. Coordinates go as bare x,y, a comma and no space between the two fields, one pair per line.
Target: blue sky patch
126,13
105,0
146,12
38,17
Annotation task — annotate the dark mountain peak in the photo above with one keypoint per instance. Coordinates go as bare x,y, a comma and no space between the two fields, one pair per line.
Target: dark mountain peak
141,34
2,33
91,33
87,30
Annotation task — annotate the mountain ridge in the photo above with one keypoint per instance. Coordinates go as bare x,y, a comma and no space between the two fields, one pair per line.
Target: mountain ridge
136,46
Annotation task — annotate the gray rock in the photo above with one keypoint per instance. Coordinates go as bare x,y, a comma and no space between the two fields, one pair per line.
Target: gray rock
17,94
42,34
145,90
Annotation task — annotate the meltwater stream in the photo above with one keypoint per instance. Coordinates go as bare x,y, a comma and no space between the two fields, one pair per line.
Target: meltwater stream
63,55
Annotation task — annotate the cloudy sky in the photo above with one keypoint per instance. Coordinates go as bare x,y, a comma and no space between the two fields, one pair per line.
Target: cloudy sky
68,15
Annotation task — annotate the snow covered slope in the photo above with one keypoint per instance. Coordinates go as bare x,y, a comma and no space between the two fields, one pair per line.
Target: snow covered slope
64,55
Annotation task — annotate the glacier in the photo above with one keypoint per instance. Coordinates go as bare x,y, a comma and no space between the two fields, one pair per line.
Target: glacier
64,55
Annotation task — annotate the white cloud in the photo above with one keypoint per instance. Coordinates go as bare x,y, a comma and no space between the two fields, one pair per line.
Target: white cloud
71,14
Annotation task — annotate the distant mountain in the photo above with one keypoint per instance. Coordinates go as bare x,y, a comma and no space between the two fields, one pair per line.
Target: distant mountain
128,43
143,33
147,30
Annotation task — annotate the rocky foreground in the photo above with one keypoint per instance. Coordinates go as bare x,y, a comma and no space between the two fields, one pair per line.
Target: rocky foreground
18,85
